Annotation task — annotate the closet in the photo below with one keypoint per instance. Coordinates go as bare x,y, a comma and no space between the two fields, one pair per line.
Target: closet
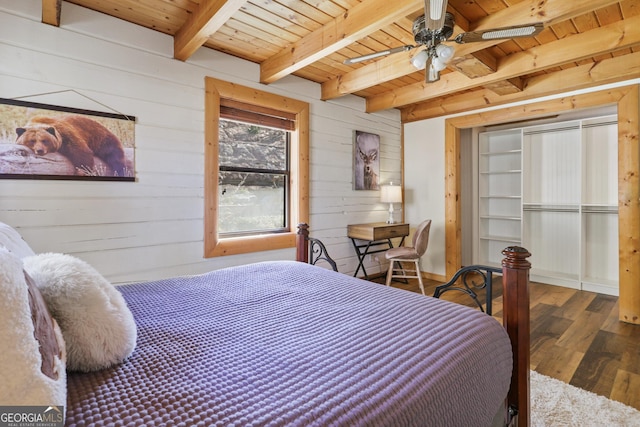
552,188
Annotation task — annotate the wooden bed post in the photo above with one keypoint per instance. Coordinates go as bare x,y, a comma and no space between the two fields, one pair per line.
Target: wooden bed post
515,284
302,247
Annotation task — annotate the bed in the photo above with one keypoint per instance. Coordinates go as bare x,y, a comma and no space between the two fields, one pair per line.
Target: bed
287,343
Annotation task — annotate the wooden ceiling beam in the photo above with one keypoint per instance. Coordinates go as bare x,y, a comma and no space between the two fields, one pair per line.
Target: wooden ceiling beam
476,64
506,87
51,12
399,65
610,70
548,11
360,21
619,35
204,21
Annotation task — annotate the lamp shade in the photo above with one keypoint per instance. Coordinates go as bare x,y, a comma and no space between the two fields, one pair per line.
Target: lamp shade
390,194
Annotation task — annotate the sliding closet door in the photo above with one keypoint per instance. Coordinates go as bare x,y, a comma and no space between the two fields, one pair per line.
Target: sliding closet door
551,201
600,205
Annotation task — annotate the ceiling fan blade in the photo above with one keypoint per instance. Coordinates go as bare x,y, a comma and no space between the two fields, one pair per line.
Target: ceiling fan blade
516,31
378,54
434,13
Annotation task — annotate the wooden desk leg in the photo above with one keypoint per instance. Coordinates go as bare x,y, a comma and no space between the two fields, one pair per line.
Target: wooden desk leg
361,257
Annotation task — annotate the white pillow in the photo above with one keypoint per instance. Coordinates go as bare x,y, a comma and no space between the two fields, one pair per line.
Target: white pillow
13,241
32,369
97,326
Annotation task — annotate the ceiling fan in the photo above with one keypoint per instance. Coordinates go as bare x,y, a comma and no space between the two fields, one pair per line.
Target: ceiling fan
435,27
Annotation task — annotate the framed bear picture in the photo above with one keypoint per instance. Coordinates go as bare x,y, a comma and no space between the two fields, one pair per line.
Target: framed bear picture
41,141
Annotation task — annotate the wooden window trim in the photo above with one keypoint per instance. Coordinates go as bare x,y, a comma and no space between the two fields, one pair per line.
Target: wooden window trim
217,92
255,118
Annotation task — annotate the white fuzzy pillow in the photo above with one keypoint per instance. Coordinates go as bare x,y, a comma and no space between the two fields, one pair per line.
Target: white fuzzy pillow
97,326
32,370
12,240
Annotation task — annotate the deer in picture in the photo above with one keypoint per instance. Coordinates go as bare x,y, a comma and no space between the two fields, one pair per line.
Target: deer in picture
367,161
370,177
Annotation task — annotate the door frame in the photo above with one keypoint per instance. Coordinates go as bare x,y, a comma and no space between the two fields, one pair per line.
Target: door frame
627,100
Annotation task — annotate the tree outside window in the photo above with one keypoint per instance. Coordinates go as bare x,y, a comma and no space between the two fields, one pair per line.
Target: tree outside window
253,179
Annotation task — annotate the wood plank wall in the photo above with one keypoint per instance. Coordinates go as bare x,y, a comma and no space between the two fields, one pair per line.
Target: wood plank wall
153,228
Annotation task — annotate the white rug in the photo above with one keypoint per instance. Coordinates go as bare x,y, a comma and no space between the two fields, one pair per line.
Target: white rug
557,404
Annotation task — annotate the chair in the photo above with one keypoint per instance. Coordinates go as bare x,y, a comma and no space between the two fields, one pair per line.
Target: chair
412,253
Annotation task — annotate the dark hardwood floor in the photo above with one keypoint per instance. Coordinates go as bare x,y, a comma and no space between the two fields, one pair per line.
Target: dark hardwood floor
575,337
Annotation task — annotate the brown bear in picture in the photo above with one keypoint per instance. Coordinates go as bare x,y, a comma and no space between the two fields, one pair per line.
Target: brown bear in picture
76,137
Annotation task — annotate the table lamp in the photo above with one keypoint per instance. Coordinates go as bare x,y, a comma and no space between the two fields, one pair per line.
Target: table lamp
390,194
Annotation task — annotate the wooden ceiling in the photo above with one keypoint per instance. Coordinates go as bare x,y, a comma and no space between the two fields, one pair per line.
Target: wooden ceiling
584,43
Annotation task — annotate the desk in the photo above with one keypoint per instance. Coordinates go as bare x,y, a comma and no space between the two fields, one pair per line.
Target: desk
377,236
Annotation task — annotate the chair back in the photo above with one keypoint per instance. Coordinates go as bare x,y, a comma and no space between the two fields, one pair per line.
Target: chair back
421,237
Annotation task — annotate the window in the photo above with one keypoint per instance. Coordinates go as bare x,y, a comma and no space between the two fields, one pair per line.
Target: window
253,178
256,169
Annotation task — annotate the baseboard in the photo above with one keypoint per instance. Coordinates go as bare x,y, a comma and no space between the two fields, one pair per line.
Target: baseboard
433,276
375,275
429,276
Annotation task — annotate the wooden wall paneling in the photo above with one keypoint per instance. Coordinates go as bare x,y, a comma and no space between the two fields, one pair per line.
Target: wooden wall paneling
118,227
453,205
211,164
629,204
627,100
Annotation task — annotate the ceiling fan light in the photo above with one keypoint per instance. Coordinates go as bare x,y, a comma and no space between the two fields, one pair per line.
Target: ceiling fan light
509,32
438,64
420,60
445,53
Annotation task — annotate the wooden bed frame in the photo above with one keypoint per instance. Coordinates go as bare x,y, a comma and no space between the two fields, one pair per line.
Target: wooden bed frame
515,284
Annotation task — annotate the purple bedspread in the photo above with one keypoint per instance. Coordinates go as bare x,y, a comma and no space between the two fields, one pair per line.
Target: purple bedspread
289,344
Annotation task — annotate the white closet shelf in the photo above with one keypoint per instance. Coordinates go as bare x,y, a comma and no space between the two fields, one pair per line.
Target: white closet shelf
500,172
542,207
505,217
512,239
601,209
499,153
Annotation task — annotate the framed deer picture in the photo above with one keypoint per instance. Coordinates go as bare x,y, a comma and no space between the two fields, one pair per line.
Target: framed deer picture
366,161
